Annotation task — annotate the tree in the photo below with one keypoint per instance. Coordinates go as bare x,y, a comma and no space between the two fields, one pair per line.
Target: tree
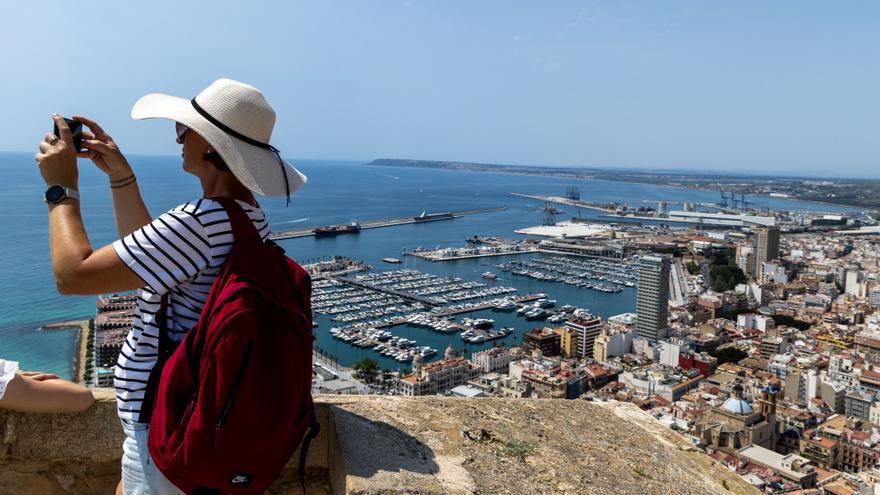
366,369
726,277
728,355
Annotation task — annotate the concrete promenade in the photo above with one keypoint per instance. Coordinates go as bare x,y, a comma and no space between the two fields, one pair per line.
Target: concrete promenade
565,201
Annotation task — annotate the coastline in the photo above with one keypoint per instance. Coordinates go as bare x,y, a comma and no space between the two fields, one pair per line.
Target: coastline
79,356
590,177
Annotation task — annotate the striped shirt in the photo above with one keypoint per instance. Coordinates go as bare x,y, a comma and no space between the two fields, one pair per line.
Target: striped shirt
179,254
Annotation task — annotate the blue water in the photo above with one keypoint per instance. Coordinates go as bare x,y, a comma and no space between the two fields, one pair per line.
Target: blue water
338,192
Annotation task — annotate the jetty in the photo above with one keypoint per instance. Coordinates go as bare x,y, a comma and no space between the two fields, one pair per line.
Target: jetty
387,222
568,202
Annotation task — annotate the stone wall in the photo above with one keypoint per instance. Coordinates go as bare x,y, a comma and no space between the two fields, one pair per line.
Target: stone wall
431,445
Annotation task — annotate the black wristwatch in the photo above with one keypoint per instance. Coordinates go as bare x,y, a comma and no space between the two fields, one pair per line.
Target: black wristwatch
56,194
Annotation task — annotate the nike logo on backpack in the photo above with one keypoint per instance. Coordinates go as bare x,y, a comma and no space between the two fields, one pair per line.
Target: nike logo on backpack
240,479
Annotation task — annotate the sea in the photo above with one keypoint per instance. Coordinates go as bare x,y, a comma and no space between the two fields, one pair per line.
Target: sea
337,192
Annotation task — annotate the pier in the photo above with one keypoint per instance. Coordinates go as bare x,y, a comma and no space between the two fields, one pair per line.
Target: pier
388,222
427,301
468,309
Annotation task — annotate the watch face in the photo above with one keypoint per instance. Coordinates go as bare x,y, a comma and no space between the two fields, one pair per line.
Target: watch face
54,194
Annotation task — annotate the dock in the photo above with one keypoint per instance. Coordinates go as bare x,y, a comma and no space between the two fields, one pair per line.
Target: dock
387,222
467,253
565,201
456,311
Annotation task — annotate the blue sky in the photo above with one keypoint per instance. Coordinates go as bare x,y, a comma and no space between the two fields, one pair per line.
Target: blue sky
777,87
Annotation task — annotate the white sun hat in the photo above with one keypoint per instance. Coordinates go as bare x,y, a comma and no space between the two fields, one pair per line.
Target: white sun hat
237,121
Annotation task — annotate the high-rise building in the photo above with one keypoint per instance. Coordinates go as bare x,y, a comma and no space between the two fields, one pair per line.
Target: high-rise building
652,300
767,246
587,329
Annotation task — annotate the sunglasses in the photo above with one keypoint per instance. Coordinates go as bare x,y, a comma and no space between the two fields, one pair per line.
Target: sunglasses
181,131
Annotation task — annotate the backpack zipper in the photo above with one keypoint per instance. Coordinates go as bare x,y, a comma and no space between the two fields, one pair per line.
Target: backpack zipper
233,391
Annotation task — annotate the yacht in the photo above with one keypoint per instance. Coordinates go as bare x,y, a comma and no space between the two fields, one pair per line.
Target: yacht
506,305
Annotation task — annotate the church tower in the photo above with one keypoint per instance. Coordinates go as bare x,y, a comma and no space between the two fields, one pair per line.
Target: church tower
450,353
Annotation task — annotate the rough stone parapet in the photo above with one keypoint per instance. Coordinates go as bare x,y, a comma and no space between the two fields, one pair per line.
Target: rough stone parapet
391,445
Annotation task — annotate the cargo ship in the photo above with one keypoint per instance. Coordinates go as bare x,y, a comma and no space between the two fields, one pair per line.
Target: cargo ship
330,230
430,217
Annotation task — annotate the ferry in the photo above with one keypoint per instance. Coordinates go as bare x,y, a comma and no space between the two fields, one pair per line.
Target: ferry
391,260
430,217
331,230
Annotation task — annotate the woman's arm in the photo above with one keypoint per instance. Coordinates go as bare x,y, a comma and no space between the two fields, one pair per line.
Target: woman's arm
45,396
129,210
77,269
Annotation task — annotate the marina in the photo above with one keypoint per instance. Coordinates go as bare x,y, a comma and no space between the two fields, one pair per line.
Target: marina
368,305
596,274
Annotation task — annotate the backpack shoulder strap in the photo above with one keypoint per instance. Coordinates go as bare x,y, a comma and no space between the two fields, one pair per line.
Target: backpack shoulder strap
166,349
242,227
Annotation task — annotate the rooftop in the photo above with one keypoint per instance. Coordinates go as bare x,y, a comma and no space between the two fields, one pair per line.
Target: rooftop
396,445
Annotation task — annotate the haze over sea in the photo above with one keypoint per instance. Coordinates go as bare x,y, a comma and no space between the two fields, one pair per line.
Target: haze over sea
337,192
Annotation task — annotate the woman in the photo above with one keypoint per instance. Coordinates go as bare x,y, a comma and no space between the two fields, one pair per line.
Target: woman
34,391
225,133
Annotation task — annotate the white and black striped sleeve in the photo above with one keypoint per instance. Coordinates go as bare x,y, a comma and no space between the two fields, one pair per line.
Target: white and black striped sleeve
168,251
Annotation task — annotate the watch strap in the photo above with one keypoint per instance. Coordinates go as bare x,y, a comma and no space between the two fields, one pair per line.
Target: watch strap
71,193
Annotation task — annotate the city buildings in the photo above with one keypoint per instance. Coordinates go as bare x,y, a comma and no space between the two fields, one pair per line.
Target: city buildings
113,318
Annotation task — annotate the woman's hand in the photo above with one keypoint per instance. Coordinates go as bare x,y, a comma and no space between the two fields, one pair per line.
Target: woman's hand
103,152
57,157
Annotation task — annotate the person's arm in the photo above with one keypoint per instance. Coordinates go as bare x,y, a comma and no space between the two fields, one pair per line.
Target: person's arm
50,395
129,209
77,268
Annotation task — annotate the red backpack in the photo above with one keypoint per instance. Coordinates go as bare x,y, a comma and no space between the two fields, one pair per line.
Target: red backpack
231,404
